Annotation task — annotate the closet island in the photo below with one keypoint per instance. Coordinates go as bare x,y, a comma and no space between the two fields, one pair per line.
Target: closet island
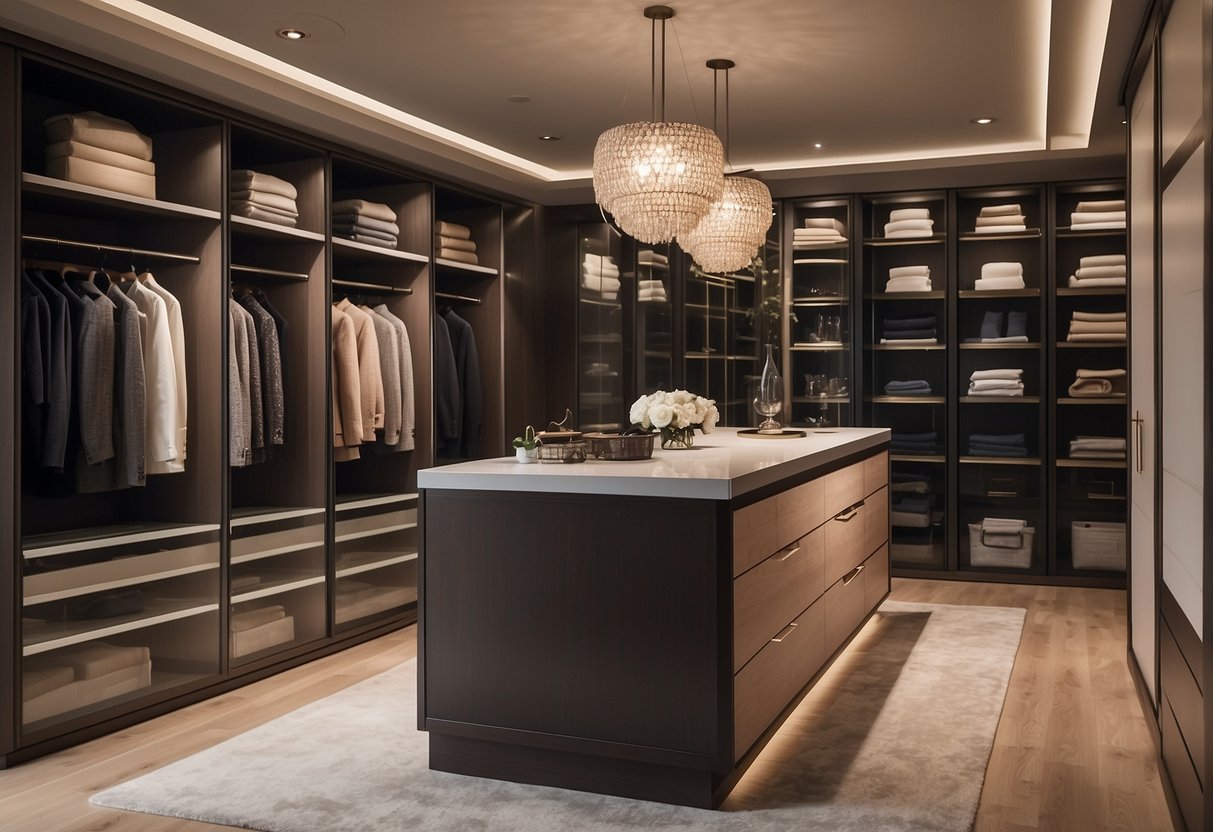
642,628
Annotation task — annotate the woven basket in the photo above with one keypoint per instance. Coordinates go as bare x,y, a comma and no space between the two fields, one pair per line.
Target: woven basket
615,447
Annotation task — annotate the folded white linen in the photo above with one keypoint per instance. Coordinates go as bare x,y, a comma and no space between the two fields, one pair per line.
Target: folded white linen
363,221
1088,272
251,180
455,243
1097,337
364,208
1104,327
650,284
254,212
1016,219
1000,210
1006,339
610,295
812,233
1095,282
820,241
899,214
99,130
651,294
1098,316
1008,392
908,284
459,256
1080,453
909,225
1097,226
910,271
1002,269
910,342
1000,229
609,270
452,229
100,154
96,175
1013,373
601,284
908,232
269,209
825,222
986,284
594,259
1102,260
995,384
1100,206
266,200
1077,218
649,256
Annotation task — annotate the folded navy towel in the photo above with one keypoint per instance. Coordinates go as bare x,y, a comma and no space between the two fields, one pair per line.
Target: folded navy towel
916,322
1017,324
997,438
908,334
911,386
996,450
991,324
917,505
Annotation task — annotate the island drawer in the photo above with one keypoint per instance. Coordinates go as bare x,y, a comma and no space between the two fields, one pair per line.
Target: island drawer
774,592
853,597
846,536
775,675
765,527
875,472
876,520
843,488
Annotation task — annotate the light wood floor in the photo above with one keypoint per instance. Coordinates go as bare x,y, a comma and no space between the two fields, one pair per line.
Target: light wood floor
1072,752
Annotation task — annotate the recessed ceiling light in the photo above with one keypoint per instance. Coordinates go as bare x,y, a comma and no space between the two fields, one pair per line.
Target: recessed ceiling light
984,120
817,145
549,138
518,99
289,33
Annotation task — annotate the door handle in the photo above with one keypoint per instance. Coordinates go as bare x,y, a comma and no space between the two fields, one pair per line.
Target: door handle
850,513
1138,446
853,574
787,553
784,633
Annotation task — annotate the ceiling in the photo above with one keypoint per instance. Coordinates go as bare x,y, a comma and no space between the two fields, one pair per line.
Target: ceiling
879,84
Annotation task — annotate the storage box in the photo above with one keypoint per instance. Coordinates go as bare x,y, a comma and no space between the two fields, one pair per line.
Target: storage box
1008,551
1098,545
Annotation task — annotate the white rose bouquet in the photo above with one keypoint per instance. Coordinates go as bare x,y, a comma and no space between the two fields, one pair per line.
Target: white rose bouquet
676,414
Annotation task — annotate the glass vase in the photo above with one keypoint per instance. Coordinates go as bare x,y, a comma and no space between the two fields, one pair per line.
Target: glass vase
677,439
769,400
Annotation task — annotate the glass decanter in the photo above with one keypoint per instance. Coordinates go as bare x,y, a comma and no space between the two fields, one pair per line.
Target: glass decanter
769,400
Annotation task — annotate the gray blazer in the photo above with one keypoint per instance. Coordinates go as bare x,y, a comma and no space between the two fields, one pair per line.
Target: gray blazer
389,367
129,392
269,351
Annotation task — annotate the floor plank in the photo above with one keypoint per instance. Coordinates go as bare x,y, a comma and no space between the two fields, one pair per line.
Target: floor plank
1072,751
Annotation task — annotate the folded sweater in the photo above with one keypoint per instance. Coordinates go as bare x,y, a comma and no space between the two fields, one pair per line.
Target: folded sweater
251,180
99,130
99,154
451,229
909,271
899,214
364,208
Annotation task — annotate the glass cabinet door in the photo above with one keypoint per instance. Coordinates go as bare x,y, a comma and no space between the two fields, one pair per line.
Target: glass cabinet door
605,296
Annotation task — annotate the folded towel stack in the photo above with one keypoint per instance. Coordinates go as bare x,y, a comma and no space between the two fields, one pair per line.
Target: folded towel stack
453,241
1097,447
651,291
1099,271
1098,383
915,443
102,152
260,196
910,511
913,387
1097,327
1000,276
997,444
1001,219
1098,214
652,259
901,482
819,231
994,332
909,279
918,329
909,222
1005,383
600,274
367,222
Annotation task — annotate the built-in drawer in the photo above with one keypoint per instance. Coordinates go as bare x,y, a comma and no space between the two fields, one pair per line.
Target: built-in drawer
774,592
875,520
843,488
846,535
845,606
876,577
761,529
875,472
779,671
1187,701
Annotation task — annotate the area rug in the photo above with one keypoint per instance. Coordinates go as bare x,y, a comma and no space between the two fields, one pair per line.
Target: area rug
896,737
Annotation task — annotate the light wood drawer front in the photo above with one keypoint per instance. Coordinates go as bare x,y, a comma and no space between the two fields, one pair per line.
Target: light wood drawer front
875,578
801,509
875,520
774,592
844,607
845,534
842,488
756,534
875,472
768,683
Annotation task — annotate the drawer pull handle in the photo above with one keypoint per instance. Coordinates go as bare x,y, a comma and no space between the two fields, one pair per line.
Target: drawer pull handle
849,514
853,574
784,633
787,553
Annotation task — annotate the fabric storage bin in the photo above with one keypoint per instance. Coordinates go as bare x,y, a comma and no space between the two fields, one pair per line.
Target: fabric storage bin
1001,549
1098,545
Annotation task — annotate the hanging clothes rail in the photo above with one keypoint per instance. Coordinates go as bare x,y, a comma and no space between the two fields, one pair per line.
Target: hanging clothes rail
134,252
274,273
459,298
377,288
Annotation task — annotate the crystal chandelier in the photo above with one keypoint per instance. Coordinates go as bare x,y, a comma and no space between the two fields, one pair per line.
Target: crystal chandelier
735,226
658,178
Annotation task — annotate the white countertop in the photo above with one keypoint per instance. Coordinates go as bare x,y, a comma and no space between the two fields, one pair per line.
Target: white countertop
720,466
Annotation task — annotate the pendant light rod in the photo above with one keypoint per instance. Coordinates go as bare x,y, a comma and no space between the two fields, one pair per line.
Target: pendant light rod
717,65
656,13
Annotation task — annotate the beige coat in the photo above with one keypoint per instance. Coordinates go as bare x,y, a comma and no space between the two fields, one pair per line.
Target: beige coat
347,394
370,372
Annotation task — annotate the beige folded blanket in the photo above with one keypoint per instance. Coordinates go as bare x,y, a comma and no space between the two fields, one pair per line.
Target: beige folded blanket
1102,260
1097,316
1001,229
100,131
363,222
909,232
1095,282
909,225
97,658
452,229
459,256
899,214
254,212
1096,337
825,222
276,202
248,619
1001,269
37,679
1090,272
1100,205
1011,219
1106,327
909,271
364,208
1098,383
1000,210
96,175
1084,218
1013,373
455,243
100,154
251,180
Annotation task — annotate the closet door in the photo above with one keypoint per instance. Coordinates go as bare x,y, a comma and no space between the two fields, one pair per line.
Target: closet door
1142,407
